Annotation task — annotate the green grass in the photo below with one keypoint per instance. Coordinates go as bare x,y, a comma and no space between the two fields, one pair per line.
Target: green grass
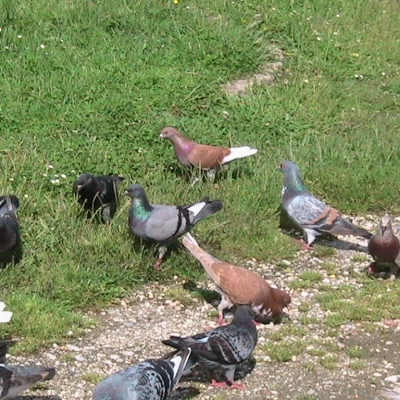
88,86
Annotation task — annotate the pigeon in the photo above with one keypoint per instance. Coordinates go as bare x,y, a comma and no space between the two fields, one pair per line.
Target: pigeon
14,379
205,157
164,223
5,316
240,286
312,215
392,394
384,247
10,236
98,194
151,379
226,346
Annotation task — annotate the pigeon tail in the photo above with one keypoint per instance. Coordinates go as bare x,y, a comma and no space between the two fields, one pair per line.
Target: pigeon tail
206,260
238,152
344,227
180,363
16,379
204,209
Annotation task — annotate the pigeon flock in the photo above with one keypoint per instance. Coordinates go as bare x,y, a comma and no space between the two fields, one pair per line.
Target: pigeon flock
255,300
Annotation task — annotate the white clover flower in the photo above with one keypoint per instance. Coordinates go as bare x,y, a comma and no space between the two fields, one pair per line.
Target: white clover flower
25,196
11,179
42,46
19,36
50,166
63,176
55,181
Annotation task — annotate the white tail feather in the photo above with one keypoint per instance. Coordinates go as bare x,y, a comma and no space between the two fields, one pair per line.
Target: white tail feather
239,152
5,316
196,208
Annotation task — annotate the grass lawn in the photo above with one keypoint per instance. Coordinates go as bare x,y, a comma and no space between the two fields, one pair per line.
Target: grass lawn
88,86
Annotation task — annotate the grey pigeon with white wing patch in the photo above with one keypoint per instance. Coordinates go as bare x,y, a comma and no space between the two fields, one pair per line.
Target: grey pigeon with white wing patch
14,379
164,224
310,213
226,346
152,379
10,236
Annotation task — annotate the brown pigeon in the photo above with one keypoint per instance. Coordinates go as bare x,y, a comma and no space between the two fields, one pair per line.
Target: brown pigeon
384,247
208,158
239,286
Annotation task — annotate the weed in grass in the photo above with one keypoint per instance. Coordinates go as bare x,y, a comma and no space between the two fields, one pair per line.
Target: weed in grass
68,358
355,351
309,366
331,268
306,320
360,257
306,397
92,377
178,293
325,251
305,306
357,365
284,351
307,279
329,362
288,331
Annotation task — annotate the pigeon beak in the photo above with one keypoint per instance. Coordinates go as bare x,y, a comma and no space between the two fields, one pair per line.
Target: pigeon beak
79,187
126,193
161,136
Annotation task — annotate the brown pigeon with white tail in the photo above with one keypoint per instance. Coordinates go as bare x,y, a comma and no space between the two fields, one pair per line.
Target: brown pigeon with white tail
239,286
206,157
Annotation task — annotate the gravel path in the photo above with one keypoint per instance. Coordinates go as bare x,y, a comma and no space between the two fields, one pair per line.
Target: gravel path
131,332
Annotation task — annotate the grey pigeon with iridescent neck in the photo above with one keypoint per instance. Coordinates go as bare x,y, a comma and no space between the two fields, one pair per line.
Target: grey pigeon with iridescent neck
226,346
164,224
152,379
10,236
384,247
312,215
98,194
206,157
14,379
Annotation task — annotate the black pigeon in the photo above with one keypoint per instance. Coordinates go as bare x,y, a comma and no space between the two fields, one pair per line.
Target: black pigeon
152,379
10,236
226,346
14,379
164,224
98,194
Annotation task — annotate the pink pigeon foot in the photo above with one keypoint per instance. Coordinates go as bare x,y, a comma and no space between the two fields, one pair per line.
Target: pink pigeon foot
230,385
221,320
157,265
307,247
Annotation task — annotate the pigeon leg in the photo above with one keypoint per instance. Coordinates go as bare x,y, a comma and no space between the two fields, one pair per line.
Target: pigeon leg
214,383
307,247
393,272
211,175
221,320
161,253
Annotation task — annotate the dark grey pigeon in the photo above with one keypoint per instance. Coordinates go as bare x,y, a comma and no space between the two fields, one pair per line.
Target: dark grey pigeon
10,236
98,194
226,346
14,379
310,213
164,224
152,379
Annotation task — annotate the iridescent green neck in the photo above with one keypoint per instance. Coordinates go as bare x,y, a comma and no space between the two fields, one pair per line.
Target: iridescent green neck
141,209
293,180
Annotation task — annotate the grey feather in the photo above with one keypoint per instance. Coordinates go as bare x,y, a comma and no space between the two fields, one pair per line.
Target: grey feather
14,379
152,379
226,346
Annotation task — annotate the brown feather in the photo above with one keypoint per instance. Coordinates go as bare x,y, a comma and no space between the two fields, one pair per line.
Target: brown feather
207,157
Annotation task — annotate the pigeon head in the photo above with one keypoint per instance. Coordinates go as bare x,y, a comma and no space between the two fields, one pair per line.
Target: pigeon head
289,167
386,223
83,181
168,133
135,191
244,313
282,298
